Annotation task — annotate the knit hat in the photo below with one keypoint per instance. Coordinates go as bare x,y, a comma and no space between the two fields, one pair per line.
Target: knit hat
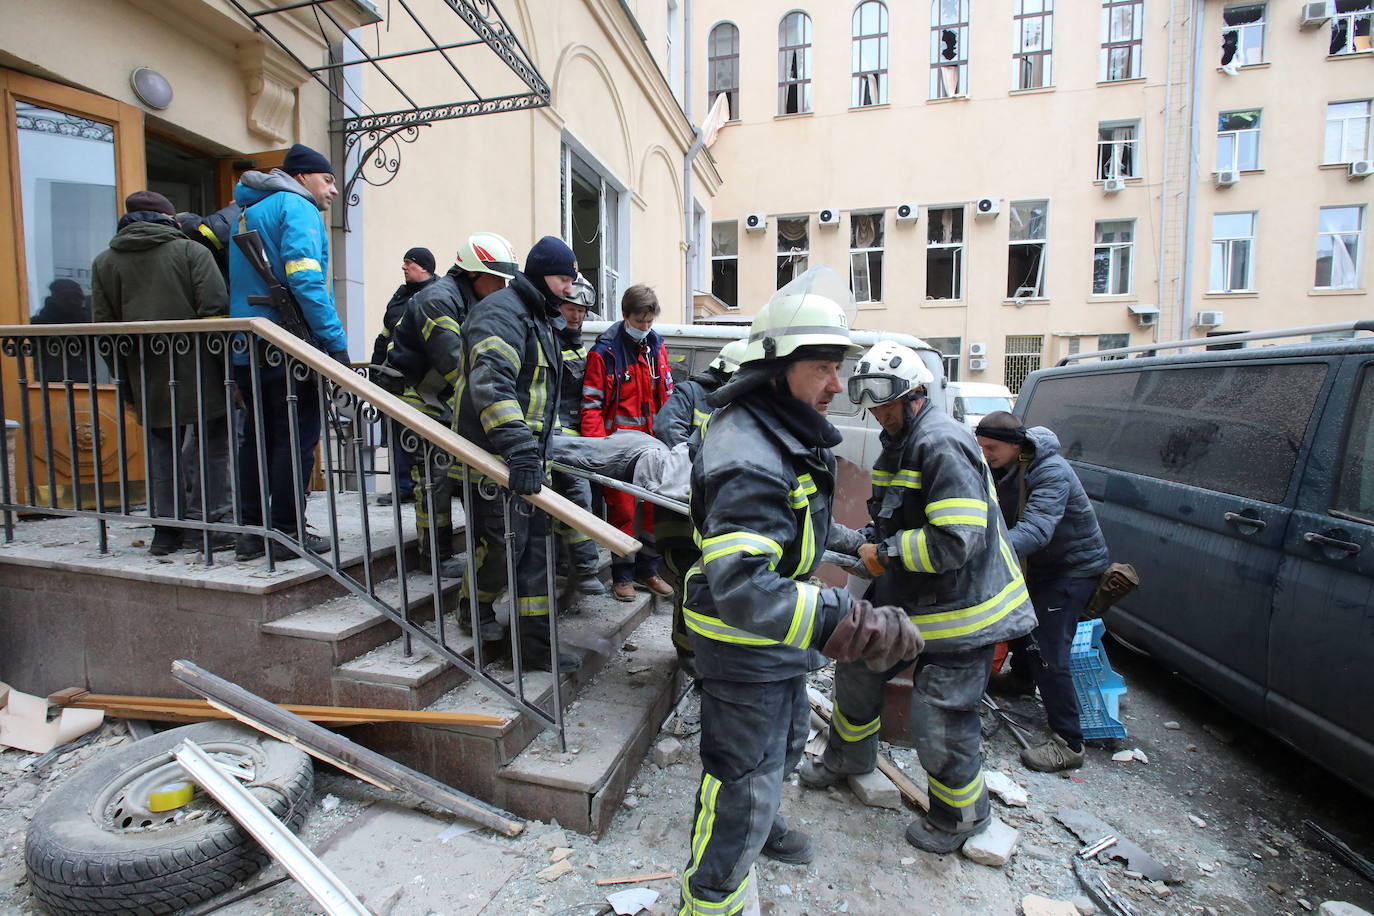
550,257
302,160
422,257
149,201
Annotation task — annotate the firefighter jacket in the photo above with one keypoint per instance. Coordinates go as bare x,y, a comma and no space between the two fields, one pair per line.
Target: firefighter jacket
570,391
425,343
763,486
627,382
687,409
507,392
949,565
395,308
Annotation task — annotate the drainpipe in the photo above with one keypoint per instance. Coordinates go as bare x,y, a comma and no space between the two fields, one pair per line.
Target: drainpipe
691,254
1190,216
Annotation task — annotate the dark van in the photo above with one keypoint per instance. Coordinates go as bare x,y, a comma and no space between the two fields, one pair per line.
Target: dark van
1240,484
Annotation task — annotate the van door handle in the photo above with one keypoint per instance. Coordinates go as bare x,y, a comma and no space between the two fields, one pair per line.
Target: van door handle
1322,540
1245,521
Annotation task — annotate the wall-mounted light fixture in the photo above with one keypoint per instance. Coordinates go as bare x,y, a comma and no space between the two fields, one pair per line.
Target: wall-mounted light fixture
151,88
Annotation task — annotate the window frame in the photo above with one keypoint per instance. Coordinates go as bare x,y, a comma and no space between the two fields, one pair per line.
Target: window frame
1133,144
868,253
792,255
957,247
1020,56
1114,250
1228,255
1357,268
1033,360
802,81
1350,17
1125,341
1042,241
959,63
858,41
1242,30
731,92
722,258
1236,136
1134,45
1367,117
1359,413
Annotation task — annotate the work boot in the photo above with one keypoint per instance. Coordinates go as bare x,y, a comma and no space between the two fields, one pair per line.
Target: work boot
791,847
537,658
1052,756
921,834
814,774
623,591
586,583
487,625
248,547
453,567
219,540
282,553
165,541
656,584
1011,684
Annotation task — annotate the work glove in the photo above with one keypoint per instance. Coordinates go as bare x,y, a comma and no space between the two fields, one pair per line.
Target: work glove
526,474
901,640
855,634
874,559
341,356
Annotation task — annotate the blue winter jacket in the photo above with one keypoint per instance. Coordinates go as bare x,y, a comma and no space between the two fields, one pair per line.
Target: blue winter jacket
297,243
1057,533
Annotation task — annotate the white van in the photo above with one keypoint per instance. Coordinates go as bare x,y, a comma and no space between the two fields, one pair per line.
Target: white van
972,401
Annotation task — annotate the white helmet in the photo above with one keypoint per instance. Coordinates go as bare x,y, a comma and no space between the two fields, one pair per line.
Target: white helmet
487,253
887,372
583,294
728,359
808,312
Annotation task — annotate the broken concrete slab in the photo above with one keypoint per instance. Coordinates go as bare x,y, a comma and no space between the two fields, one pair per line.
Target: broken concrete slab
875,790
1035,905
994,845
1089,828
559,854
667,752
1005,788
555,871
1340,908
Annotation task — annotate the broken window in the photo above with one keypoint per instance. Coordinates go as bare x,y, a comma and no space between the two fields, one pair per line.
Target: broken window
948,48
1026,257
1033,60
725,261
794,63
1122,28
1347,132
1113,257
944,252
1118,149
793,248
869,64
1350,27
1242,39
722,66
866,256
1339,234
1233,244
1238,138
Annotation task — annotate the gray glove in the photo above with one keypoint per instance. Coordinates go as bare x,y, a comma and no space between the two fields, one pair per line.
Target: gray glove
526,474
901,641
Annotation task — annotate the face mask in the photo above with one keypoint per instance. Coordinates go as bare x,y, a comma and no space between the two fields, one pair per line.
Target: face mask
635,333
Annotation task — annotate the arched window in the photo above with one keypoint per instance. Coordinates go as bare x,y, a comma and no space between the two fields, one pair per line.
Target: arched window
794,63
869,54
722,66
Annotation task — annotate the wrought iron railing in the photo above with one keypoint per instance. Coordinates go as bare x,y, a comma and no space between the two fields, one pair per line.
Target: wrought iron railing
78,390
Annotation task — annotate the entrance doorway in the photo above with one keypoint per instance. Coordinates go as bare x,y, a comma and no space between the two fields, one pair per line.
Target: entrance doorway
187,177
591,224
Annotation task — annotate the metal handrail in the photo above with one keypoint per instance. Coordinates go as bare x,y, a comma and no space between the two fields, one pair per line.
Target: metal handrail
1221,339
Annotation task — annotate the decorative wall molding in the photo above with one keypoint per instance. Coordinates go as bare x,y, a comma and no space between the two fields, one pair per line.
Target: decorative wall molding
271,79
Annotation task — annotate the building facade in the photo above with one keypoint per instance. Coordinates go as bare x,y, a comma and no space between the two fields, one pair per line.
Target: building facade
1017,182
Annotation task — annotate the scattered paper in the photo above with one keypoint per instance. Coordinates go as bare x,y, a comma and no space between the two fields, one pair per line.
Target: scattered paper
635,900
24,722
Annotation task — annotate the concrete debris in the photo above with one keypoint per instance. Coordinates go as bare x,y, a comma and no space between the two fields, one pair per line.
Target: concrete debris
1035,905
785,890
994,845
634,900
329,803
1134,753
667,752
1172,726
908,860
385,900
1341,908
559,854
1305,904
1084,905
552,840
1005,788
875,790
1276,887
23,793
1089,828
1160,889
1207,867
555,871
1196,821
1273,853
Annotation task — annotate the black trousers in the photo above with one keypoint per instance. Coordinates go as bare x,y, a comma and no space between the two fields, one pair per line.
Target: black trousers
1057,605
283,486
528,542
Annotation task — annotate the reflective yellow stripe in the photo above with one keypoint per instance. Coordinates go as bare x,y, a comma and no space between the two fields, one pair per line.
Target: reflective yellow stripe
848,731
909,479
210,234
807,484
302,264
957,511
570,355
972,619
501,412
534,414
498,346
443,321
701,835
808,545
978,521
699,417
916,551
719,630
538,606
717,546
803,616
956,798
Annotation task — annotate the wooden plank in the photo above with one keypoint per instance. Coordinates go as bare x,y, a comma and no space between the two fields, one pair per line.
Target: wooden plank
635,879
910,791
177,708
338,750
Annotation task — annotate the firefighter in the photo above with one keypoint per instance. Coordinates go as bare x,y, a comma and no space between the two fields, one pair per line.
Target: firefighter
762,492
938,548
424,348
687,409
507,403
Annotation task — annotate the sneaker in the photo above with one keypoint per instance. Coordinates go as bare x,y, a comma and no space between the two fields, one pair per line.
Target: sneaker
656,584
1052,756
922,835
814,774
623,591
587,584
165,541
792,848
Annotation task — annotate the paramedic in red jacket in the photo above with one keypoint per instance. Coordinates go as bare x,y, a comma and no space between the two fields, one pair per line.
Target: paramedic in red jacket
627,382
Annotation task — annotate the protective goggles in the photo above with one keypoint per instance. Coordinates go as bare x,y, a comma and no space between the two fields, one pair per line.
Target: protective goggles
876,389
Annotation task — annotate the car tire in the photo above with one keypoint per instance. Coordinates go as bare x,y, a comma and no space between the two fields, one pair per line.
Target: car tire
91,848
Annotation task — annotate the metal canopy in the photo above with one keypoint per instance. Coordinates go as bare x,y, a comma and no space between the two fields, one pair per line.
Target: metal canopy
372,138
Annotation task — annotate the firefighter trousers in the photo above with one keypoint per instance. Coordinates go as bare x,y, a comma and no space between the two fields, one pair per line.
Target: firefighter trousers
752,736
529,547
582,557
945,725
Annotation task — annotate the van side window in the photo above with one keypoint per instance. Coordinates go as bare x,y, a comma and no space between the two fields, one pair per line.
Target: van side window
1233,429
841,405
1355,491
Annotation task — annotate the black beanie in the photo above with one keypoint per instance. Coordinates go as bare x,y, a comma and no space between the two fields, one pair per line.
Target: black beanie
550,257
302,160
149,202
421,256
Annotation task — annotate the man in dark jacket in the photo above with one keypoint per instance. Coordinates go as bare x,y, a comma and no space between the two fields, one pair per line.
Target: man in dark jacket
152,272
417,267
939,550
687,409
426,350
507,403
1054,531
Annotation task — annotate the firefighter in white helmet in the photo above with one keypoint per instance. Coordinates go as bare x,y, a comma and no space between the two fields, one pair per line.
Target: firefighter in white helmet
763,484
938,548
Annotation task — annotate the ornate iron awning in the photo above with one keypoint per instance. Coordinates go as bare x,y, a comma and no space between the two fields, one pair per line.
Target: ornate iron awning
372,137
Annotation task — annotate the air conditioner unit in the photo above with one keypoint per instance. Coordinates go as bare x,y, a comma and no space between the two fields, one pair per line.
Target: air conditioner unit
1208,319
1360,168
987,206
1226,177
756,222
1113,185
1313,15
908,213
977,349
830,217
977,364
1147,319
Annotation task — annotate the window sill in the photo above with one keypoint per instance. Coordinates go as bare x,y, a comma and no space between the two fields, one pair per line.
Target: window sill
944,303
1034,90
1231,294
1113,299
1262,65
878,105
792,115
871,306
1335,166
1033,300
1365,52
1135,80
1130,180
953,98
1327,291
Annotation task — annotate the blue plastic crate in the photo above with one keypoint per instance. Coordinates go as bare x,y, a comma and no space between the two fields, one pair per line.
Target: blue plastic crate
1099,688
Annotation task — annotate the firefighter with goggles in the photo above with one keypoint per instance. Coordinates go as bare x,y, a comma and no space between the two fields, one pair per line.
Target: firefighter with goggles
763,483
937,547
